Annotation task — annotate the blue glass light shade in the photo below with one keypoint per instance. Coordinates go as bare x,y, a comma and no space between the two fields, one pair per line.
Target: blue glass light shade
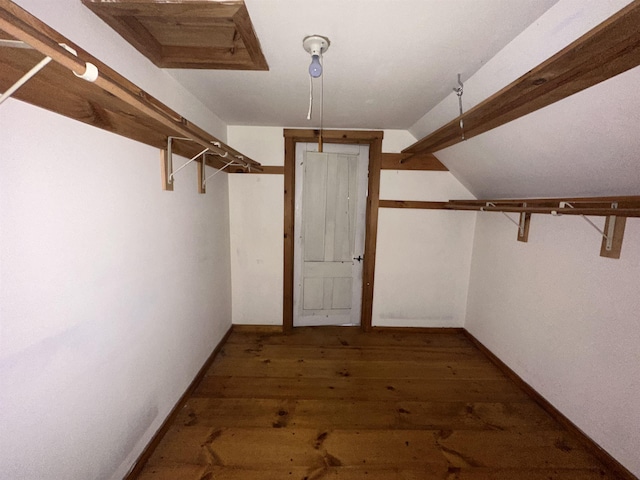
315,69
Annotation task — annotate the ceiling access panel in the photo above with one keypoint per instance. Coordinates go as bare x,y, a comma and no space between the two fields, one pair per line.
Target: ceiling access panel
194,34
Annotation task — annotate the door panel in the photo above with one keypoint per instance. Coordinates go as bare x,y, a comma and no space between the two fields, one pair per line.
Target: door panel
332,194
314,211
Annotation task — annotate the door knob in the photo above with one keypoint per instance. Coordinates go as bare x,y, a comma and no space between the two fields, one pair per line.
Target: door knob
359,258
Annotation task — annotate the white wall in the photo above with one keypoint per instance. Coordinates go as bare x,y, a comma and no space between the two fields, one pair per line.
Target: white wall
113,293
423,258
257,225
565,319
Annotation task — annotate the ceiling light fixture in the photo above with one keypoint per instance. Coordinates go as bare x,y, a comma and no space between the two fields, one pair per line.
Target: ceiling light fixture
315,45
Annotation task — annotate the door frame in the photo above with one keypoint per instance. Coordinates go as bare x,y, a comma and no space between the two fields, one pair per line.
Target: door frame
374,140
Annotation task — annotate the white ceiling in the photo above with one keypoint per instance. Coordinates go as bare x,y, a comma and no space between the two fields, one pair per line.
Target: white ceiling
392,64
389,63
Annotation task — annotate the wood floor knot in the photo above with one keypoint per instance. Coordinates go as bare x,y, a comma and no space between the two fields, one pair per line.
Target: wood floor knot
320,440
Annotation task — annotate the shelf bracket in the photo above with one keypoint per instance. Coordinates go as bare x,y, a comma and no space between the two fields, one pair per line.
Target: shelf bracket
612,243
91,73
166,164
523,226
228,164
168,173
193,159
612,234
203,182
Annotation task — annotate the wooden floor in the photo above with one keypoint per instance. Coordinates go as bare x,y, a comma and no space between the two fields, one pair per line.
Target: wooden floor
334,403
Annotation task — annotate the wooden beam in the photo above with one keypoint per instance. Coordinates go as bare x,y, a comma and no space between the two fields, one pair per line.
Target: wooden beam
627,206
200,177
371,234
333,136
164,171
411,204
525,224
266,170
616,232
624,206
404,161
289,225
605,51
626,201
602,212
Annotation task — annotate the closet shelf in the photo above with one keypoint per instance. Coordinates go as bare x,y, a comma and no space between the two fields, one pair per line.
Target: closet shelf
616,210
111,103
625,206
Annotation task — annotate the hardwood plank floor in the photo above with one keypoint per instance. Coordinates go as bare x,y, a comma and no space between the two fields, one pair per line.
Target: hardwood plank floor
336,403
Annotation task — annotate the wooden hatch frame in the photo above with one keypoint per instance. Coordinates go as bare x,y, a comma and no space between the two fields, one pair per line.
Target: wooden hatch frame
204,34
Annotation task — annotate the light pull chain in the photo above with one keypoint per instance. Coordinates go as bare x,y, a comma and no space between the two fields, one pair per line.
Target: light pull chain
321,105
459,91
310,97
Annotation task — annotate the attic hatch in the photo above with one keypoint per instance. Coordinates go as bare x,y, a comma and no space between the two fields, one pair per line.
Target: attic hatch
203,34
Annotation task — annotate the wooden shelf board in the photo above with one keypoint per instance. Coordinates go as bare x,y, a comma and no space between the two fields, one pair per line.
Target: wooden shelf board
605,51
112,103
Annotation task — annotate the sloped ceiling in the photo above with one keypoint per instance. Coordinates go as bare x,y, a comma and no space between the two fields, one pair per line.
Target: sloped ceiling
390,61
585,145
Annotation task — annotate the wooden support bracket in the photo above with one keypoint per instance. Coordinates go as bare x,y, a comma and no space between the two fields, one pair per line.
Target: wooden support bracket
164,171
612,240
202,187
523,229
615,209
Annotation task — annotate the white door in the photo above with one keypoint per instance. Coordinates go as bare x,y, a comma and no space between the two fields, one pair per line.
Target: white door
331,190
